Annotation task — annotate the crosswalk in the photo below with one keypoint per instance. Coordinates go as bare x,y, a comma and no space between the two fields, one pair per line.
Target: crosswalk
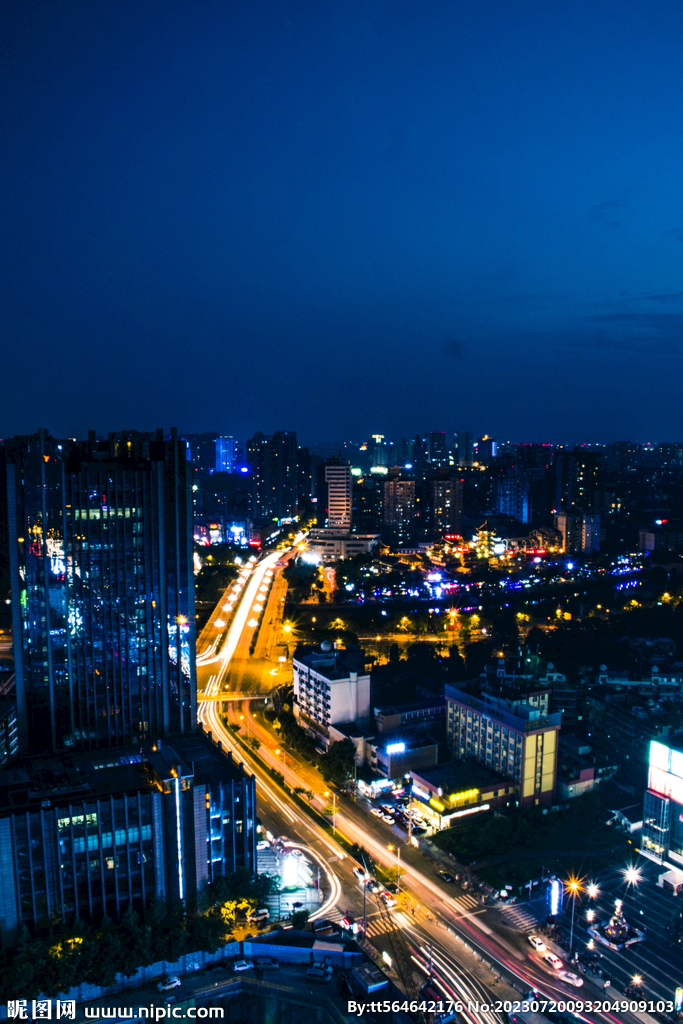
520,917
466,902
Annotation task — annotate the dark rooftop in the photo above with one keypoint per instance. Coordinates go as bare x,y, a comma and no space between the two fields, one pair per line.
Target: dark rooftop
458,775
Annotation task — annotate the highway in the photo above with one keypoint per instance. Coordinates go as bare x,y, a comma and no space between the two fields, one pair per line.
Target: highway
455,929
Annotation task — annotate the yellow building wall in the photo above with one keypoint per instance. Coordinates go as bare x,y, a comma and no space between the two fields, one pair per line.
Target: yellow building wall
529,771
548,768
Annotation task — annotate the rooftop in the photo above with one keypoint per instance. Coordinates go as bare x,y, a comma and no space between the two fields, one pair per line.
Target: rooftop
333,663
458,775
87,775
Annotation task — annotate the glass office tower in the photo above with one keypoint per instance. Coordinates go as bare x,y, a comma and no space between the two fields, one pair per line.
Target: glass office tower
100,538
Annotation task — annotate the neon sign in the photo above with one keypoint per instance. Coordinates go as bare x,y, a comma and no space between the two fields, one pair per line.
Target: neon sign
396,748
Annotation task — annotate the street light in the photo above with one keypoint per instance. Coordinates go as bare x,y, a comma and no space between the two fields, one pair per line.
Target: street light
632,876
398,861
334,810
593,890
574,886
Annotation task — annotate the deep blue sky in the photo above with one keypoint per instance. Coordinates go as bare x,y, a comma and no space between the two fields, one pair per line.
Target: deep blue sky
343,217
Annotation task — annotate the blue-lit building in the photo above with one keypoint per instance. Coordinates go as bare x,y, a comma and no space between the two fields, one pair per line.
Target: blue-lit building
85,834
662,836
100,545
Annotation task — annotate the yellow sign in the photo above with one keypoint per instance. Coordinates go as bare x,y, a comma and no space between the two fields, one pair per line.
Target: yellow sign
437,805
466,794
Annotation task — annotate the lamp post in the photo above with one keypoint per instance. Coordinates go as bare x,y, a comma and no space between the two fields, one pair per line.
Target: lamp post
398,862
632,876
334,810
574,886
284,762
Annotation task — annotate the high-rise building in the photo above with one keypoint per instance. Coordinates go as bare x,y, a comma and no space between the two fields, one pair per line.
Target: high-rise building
578,477
225,455
367,505
445,505
334,495
511,737
84,834
464,447
580,533
273,462
100,543
438,452
399,511
378,451
486,450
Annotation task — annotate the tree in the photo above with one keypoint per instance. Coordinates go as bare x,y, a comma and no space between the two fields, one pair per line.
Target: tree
254,743
336,766
299,919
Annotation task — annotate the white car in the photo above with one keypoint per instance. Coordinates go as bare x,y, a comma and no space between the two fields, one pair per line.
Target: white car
389,820
554,961
242,965
164,986
376,811
360,874
571,979
388,899
538,944
263,844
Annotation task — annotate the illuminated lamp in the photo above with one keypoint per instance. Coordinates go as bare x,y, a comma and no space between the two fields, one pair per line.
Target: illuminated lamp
396,748
555,896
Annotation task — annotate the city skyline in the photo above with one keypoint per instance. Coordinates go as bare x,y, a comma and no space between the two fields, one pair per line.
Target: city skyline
367,211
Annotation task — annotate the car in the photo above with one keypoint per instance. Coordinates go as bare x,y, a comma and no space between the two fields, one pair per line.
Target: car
266,963
262,914
388,819
388,808
445,877
165,986
263,844
360,874
376,811
391,887
538,944
373,885
388,899
571,979
554,961
242,965
297,853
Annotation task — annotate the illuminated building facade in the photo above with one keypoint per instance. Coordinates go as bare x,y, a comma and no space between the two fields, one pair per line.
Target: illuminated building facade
331,687
511,737
334,495
86,834
449,792
662,837
100,539
273,465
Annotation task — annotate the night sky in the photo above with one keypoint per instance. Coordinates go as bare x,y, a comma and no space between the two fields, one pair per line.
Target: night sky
343,217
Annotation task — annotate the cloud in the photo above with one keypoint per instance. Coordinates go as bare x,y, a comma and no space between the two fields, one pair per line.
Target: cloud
610,215
637,331
664,297
453,347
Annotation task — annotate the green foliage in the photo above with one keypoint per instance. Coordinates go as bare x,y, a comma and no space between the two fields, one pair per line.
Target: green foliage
294,736
299,919
96,954
254,743
579,827
336,766
300,579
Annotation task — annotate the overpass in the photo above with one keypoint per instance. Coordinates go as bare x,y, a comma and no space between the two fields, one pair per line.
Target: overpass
249,695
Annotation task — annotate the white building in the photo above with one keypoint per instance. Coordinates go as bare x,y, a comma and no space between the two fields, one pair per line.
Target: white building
339,497
331,687
330,545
